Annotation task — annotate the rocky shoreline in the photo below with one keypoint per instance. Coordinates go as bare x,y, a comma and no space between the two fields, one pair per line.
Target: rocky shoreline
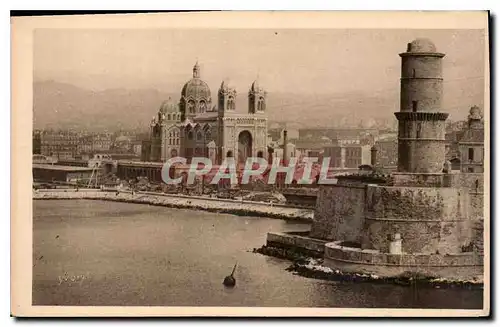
240,208
311,267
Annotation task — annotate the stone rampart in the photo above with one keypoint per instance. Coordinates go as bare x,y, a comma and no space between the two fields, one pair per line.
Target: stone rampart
339,212
461,266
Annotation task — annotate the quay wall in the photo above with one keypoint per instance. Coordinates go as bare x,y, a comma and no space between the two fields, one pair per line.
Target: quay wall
247,208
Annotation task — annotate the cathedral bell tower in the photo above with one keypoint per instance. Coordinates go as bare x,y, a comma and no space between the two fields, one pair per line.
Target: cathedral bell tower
256,99
227,98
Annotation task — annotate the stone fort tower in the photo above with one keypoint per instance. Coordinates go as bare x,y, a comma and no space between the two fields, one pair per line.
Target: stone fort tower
421,137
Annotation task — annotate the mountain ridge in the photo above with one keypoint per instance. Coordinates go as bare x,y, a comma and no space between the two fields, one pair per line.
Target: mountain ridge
63,105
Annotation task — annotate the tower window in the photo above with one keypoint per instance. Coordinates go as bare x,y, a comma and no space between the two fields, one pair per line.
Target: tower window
414,106
471,153
190,135
413,72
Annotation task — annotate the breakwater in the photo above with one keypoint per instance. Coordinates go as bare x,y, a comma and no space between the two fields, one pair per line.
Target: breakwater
242,208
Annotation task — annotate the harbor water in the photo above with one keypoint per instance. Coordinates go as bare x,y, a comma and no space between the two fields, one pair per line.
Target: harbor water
92,253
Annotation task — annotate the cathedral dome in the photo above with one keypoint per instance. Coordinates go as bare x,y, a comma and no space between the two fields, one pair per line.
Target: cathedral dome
196,88
421,45
168,106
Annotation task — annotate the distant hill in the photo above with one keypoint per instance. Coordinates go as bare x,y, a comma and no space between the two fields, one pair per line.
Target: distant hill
60,105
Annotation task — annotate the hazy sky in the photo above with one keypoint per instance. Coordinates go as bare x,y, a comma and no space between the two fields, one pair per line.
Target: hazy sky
299,61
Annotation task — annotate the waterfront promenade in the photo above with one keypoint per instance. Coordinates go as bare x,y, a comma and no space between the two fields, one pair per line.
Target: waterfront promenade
237,207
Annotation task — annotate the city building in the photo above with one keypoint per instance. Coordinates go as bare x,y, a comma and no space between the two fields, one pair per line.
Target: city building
37,142
471,144
291,152
62,174
59,144
348,155
465,143
195,127
387,152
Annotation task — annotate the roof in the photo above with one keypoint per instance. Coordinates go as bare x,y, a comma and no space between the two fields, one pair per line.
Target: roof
61,168
421,45
143,164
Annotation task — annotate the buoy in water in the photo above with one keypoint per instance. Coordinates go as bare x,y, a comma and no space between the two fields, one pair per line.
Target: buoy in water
230,281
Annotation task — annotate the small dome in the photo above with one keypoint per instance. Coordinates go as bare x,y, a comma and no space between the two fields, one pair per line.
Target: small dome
421,45
168,106
475,113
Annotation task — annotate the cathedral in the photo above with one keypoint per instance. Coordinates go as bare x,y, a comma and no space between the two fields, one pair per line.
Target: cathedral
197,127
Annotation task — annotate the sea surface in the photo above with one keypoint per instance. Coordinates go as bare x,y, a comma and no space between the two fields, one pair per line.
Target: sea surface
94,253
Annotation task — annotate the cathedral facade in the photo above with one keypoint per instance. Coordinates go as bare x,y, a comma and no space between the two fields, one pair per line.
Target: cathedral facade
199,126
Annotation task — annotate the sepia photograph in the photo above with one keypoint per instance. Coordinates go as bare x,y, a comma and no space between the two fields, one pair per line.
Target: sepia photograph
198,163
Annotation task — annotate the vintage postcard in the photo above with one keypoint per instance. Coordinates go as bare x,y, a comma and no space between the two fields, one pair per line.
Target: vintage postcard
251,164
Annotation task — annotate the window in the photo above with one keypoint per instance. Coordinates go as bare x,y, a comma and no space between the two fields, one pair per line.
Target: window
471,153
230,103
413,72
470,169
199,136
190,135
415,105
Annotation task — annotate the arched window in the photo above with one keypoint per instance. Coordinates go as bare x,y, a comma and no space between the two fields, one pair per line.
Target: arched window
260,154
168,116
191,108
260,105
199,136
190,135
230,103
